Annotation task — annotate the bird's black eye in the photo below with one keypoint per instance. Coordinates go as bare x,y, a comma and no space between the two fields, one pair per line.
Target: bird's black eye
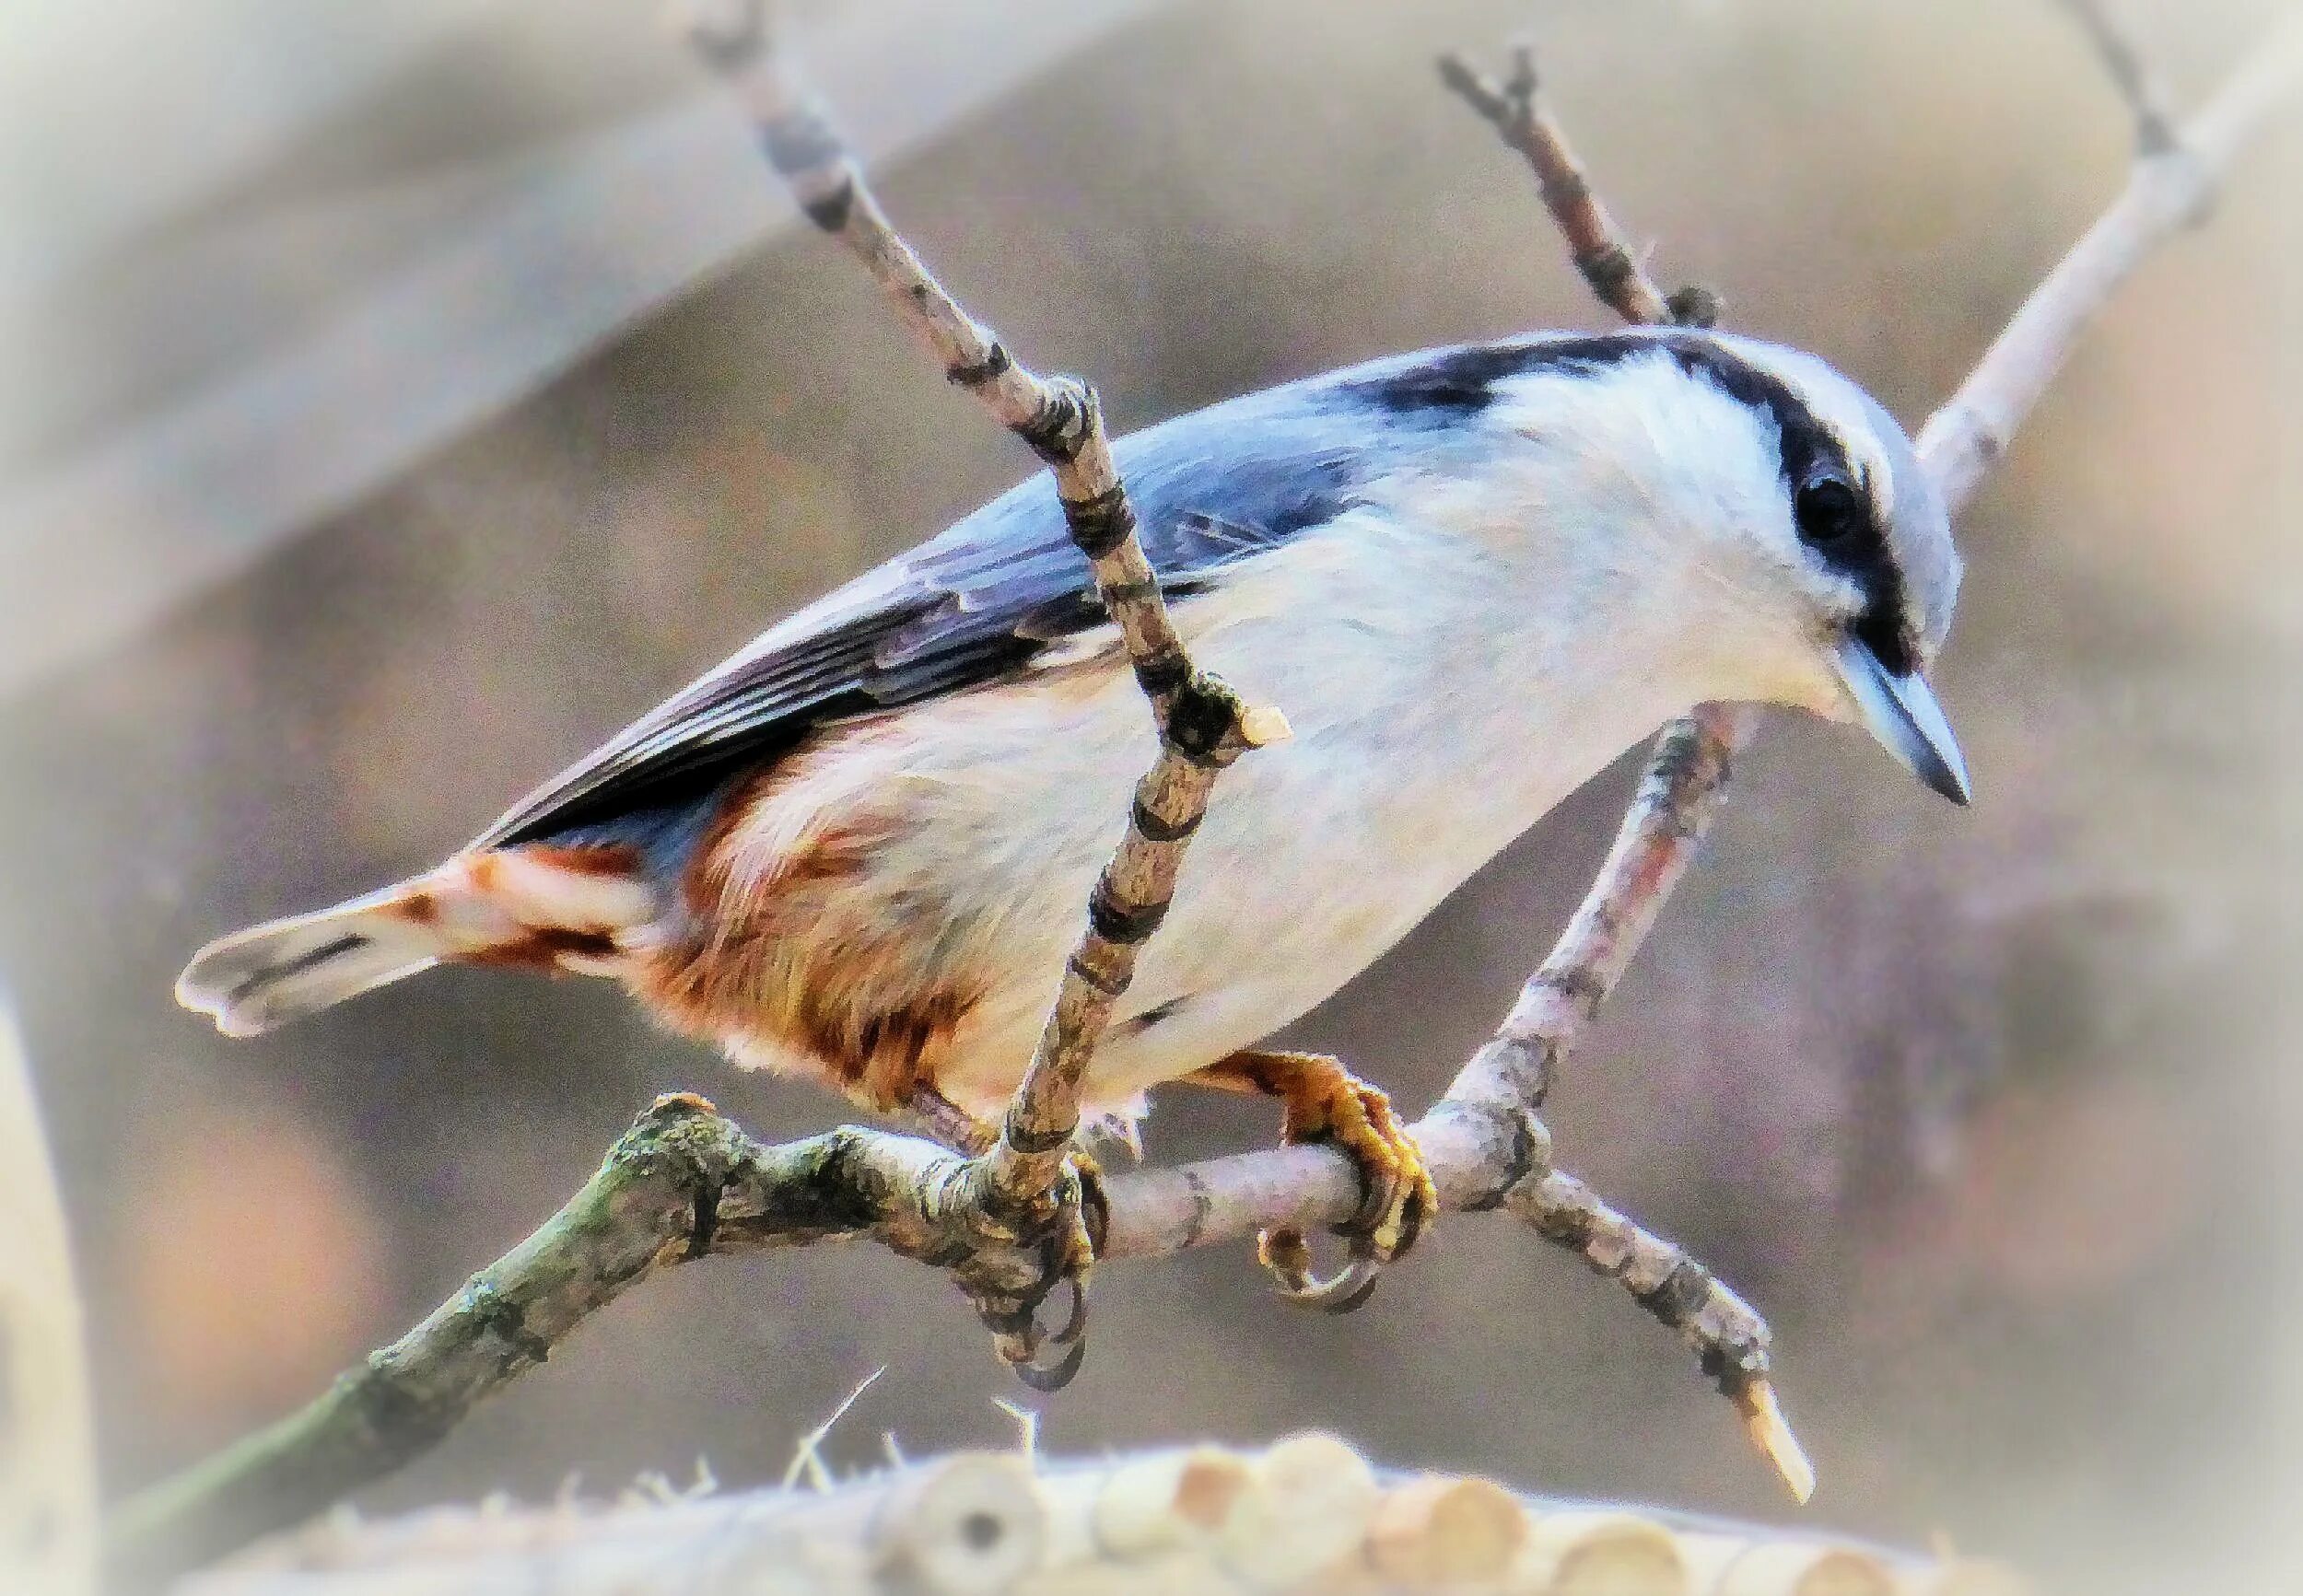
1828,510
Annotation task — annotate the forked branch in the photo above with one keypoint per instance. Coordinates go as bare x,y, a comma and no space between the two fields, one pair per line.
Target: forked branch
2130,73
2167,190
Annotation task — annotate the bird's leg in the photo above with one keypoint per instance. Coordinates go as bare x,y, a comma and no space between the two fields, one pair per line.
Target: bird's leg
961,1131
1326,1103
1061,1237
950,1124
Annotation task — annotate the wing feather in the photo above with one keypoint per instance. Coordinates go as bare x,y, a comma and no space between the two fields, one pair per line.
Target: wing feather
968,607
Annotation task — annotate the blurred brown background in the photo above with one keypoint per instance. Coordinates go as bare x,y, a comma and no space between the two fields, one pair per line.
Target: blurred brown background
1990,1112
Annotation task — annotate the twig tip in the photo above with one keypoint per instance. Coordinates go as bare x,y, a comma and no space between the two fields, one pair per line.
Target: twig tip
1763,1417
1262,725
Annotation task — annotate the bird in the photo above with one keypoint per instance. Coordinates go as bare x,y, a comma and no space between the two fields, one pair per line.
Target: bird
858,850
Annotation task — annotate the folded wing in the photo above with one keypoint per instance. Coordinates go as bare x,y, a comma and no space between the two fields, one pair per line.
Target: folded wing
1220,485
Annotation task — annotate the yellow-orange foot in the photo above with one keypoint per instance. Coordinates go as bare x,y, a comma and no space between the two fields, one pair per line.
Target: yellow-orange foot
1326,1103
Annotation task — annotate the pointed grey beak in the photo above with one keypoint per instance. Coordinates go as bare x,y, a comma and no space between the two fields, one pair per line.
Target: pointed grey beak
1901,712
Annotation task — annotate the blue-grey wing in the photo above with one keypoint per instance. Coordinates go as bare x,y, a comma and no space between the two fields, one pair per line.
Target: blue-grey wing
976,603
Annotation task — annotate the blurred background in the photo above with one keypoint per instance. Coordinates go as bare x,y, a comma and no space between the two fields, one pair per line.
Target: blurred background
404,397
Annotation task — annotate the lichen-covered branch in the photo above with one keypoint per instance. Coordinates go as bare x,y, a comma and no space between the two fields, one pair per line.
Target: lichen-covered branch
683,1183
1308,1515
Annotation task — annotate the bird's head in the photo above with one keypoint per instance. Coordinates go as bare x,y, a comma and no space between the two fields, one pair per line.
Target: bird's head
1859,539
1809,557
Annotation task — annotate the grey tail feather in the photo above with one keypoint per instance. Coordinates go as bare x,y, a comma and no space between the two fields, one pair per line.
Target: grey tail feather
258,979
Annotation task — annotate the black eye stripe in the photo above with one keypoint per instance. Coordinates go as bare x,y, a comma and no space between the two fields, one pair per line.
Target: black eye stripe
1448,387
1813,454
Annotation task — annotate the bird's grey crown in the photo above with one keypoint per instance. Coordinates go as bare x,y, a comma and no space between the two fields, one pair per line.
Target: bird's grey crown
1211,488
1907,569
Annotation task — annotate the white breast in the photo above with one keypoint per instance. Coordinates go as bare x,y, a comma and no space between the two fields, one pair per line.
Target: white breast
1446,691
1484,632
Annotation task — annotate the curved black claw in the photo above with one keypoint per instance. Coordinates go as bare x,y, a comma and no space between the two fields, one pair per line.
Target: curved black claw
1075,1324
1013,1279
1056,1376
1391,1216
1326,1103
1019,1339
1346,1289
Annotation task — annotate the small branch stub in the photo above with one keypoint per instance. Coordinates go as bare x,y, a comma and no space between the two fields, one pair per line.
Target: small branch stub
1601,252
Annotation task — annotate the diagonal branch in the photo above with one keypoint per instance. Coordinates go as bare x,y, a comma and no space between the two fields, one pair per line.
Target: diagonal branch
1681,794
1678,796
1686,777
1683,787
685,1183
1729,1337
2166,193
1203,725
1595,243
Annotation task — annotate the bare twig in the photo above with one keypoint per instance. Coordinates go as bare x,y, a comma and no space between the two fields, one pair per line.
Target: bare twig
1678,796
1729,1337
1203,725
2130,73
1595,243
685,1183
807,1458
1684,786
1687,774
2164,194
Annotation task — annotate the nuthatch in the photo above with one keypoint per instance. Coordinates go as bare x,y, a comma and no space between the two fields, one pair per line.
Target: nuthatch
859,849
